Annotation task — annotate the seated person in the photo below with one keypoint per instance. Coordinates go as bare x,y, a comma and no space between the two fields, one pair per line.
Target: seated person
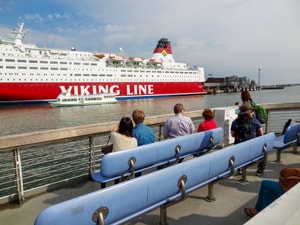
208,123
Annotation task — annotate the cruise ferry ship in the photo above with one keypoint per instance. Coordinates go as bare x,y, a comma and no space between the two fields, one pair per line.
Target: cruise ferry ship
29,74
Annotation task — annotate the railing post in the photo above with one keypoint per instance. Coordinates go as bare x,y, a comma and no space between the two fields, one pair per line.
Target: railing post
19,175
160,132
92,166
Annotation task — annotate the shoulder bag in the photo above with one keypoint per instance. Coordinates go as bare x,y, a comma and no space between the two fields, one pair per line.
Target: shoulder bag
108,147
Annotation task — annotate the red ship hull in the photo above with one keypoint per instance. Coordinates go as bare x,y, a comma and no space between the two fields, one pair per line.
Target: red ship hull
44,92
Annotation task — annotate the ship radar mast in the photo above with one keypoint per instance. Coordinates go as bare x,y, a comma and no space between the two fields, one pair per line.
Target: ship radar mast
17,35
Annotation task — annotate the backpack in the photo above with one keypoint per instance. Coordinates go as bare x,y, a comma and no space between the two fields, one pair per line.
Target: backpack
242,132
260,113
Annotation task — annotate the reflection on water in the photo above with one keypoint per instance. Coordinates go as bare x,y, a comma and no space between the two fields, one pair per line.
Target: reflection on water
21,119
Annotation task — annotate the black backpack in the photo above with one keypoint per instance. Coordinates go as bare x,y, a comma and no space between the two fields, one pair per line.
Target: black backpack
242,132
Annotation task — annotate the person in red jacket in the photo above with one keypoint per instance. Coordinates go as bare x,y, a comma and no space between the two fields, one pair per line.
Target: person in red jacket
208,122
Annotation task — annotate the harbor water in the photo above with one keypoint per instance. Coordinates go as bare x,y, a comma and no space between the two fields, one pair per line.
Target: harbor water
29,118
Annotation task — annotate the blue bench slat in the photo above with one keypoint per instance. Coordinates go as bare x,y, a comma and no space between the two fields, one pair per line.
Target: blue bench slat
245,152
114,165
289,138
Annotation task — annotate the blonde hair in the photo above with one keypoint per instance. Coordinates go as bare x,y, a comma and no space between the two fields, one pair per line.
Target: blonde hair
138,116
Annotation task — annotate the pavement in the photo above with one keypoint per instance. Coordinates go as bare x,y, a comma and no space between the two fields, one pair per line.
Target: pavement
231,197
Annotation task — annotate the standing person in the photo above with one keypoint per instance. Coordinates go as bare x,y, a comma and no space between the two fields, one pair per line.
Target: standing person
144,134
246,127
178,125
208,123
246,98
122,135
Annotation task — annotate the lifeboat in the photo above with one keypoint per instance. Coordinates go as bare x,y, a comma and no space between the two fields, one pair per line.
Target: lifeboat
99,55
156,61
117,58
136,59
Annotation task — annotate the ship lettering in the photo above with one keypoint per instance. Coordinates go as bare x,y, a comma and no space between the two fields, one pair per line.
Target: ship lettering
139,89
85,90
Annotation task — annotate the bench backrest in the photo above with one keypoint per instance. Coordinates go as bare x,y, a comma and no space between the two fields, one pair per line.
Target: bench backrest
129,199
114,164
292,133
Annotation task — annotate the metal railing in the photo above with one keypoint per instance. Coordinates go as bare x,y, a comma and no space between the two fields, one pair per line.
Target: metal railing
36,162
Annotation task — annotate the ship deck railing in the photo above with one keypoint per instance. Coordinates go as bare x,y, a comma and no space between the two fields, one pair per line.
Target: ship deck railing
37,162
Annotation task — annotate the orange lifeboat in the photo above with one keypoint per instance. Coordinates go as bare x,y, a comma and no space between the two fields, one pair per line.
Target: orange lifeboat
99,55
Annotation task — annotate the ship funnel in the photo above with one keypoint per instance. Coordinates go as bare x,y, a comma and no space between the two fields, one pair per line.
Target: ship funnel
162,52
163,45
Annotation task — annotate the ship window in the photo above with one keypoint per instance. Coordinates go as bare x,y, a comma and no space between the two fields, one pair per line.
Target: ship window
10,67
93,64
22,67
76,63
53,62
86,75
63,68
54,68
21,60
32,61
9,60
85,64
33,68
77,74
45,62
63,63
94,75
44,68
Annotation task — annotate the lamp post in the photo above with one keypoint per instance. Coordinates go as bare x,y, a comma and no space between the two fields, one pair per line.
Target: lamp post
259,69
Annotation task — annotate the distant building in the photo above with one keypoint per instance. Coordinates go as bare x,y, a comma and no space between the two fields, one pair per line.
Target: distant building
229,84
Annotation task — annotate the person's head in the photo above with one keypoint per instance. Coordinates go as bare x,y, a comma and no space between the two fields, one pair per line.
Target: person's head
138,116
245,96
178,108
126,126
208,114
245,113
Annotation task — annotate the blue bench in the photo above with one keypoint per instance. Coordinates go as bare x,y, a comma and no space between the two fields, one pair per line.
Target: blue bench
291,137
163,188
124,164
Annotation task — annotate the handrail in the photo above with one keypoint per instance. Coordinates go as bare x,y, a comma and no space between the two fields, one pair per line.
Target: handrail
19,172
34,138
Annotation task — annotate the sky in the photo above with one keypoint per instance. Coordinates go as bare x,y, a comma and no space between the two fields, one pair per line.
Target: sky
226,37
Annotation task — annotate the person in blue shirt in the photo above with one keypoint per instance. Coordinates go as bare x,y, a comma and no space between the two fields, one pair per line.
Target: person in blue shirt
246,127
144,134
